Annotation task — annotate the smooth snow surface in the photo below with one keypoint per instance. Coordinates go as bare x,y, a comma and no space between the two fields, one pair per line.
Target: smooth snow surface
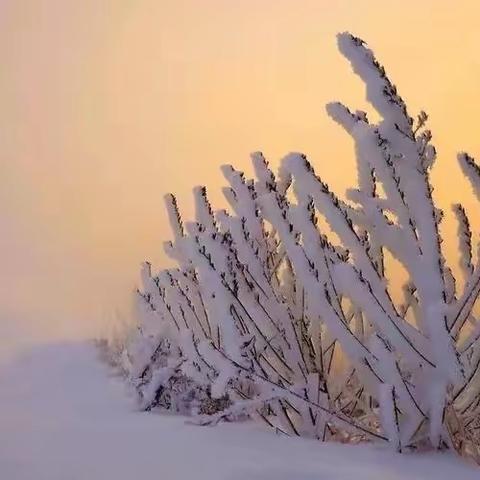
62,417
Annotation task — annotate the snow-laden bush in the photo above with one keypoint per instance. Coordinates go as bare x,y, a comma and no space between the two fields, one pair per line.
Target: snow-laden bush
269,314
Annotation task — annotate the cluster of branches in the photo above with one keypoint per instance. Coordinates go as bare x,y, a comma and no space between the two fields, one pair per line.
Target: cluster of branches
268,314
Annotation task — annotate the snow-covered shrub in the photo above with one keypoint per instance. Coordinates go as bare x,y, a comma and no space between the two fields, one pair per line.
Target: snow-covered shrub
296,325
114,341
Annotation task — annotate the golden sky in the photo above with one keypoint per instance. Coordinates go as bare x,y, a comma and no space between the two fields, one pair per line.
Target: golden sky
106,105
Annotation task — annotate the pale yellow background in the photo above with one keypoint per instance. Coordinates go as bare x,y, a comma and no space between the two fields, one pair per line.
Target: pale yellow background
106,105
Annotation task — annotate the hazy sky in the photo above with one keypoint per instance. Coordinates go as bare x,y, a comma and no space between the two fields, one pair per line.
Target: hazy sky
107,105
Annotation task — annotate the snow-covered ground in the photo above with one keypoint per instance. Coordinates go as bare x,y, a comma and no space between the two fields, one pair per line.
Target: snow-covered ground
63,417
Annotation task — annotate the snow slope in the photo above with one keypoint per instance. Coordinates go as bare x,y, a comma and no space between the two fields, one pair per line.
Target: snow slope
62,417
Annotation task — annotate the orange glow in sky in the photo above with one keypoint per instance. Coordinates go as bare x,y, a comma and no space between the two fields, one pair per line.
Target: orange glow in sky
105,106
